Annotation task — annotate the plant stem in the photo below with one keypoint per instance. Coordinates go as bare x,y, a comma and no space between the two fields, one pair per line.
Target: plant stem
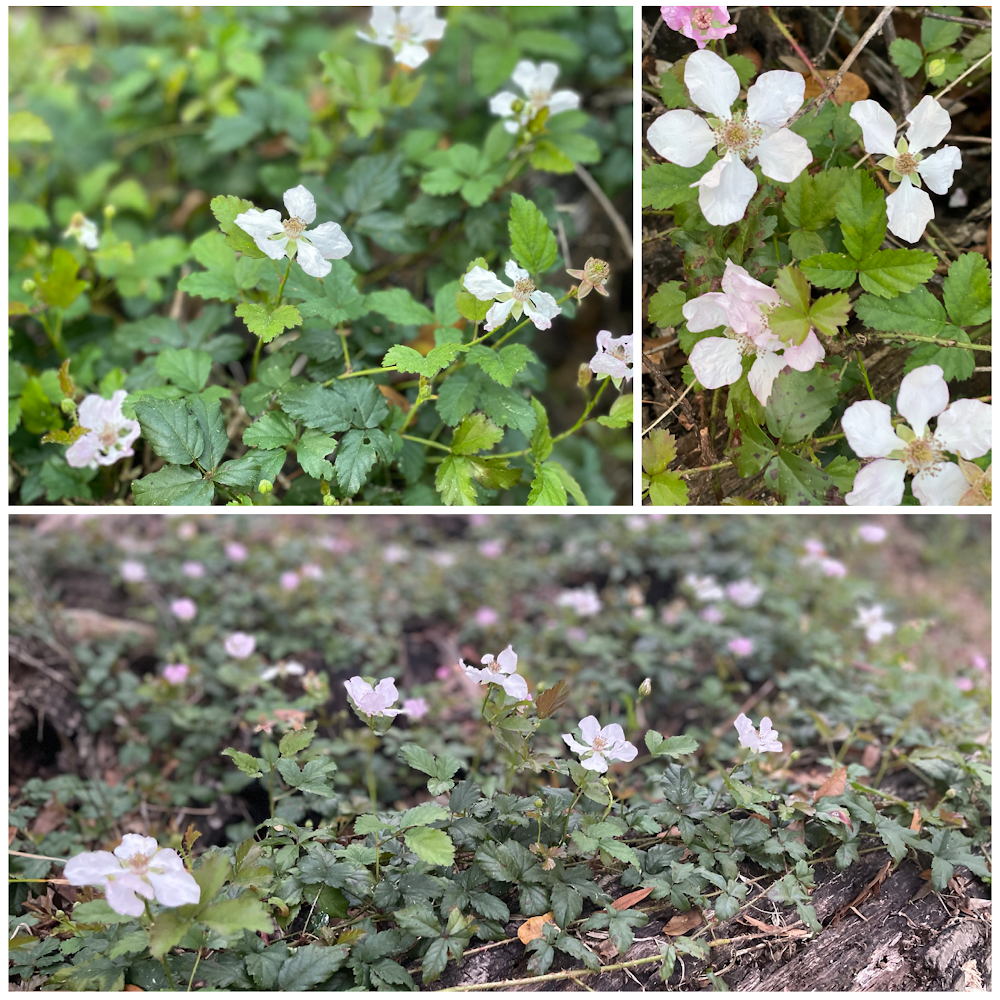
343,344
795,45
281,287
194,970
933,340
256,358
569,812
864,374
426,441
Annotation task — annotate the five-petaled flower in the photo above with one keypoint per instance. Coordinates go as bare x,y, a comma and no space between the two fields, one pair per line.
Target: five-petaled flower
376,700
743,307
744,593
240,645
763,742
584,601
872,620
289,238
540,307
613,357
963,428
536,82
701,24
600,745
83,229
501,670
286,668
138,867
109,436
684,138
908,208
592,278
184,608
405,32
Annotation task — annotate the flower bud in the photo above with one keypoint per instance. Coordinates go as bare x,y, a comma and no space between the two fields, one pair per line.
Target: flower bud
936,67
539,803
584,375
109,212
265,486
68,407
645,688
329,501
27,285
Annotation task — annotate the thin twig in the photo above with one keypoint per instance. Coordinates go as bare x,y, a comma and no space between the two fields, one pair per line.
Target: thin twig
829,39
666,413
787,35
889,32
656,27
971,69
602,199
971,21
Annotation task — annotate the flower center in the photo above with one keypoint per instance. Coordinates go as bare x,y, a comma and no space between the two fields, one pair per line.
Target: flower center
621,354
747,347
905,164
493,667
402,32
294,227
523,288
599,743
702,18
922,455
108,435
739,134
138,864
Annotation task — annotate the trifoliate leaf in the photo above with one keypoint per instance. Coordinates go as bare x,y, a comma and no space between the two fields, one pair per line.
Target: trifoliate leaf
888,272
266,323
830,312
173,485
830,270
406,359
531,240
665,489
659,449
501,365
475,433
274,429
666,304
862,214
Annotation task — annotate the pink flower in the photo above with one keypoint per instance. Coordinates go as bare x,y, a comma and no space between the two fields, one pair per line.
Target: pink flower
712,614
491,548
980,662
763,742
373,700
833,567
290,581
236,552
175,673
193,569
415,708
485,617
310,571
132,571
186,531
184,608
815,549
442,673
740,646
576,634
872,533
699,23
239,645
964,684
744,593
479,519
501,670
336,544
395,554
110,435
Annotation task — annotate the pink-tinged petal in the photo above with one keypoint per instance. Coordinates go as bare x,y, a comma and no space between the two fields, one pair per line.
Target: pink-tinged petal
784,155
300,204
725,191
869,430
938,170
311,261
716,361
706,312
627,751
516,686
590,728
357,689
485,285
746,730
942,486
966,428
878,485
567,739
508,660
386,691
541,309
92,868
595,762
711,82
878,130
762,374
805,356
908,210
736,281
514,272
929,124
682,137
498,314
502,103
775,97
91,411
563,100
123,894
412,55
330,241
133,844
83,451
922,394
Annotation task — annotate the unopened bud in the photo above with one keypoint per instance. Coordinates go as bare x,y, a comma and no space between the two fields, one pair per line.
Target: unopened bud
539,803
329,501
28,285
265,486
646,688
68,407
109,212
584,376
936,67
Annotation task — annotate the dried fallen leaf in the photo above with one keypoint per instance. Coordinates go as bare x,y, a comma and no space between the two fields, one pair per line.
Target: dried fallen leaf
11,834
915,823
532,927
631,898
129,988
395,397
834,785
871,755
682,923
775,929
852,87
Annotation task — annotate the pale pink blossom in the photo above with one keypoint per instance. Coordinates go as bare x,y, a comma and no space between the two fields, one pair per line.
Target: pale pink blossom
478,520
576,634
872,533
395,554
704,588
443,559
310,571
486,617
740,646
236,552
763,742
415,708
336,544
511,300
872,620
744,593
492,548
833,567
964,684
176,673
584,601
600,746
701,24
193,569
290,580
442,673
133,571
501,670
980,662
537,84
110,435
373,700
183,608
405,31
240,645
187,530
713,614
613,357
634,522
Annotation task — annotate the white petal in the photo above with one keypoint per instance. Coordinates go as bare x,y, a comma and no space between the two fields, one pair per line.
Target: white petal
261,226
121,895
613,733
515,685
596,762
134,844
498,314
966,428
412,55
421,17
175,888
908,210
762,374
567,739
737,282
725,191
878,130
682,137
330,241
531,78
541,309
878,485
705,312
938,170
868,427
775,97
563,100
805,356
500,104
485,285
625,751
514,272
386,691
91,868
941,486
508,660
922,394
746,730
784,155
929,124
300,204
590,728
716,361
383,22
711,82
311,261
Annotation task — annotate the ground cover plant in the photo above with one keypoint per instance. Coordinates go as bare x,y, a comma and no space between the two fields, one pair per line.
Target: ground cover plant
464,752
816,255
300,255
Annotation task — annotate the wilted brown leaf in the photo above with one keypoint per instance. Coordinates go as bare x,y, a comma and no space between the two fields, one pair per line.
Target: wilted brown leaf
852,87
631,898
551,700
532,927
834,785
682,923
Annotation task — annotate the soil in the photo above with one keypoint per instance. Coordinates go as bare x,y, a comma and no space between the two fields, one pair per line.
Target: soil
702,440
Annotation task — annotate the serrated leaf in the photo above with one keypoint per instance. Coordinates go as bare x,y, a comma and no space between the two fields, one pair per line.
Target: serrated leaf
571,486
246,472
810,201
231,916
799,403
355,458
323,409
798,482
62,287
862,214
186,368
267,323
399,306
790,283
311,965
659,449
225,208
622,412
474,434
541,438
830,270
907,56
406,359
886,273
666,489
274,429
967,292
830,312
502,365
531,240
430,845
547,489
917,312
418,920
956,364
294,741
453,480
666,304
470,307
173,485
311,451
666,184
750,449
789,324
247,763
171,429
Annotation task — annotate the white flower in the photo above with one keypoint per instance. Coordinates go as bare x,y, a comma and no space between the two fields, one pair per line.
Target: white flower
613,357
373,700
705,588
109,434
536,82
684,138
540,307
602,745
240,645
133,571
286,668
583,601
763,742
742,307
873,534
279,239
502,671
744,593
872,621
403,32
138,867
964,428
83,229
908,208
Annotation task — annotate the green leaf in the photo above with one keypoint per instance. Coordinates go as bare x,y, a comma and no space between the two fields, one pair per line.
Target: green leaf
907,56
805,244
246,472
506,407
798,482
967,292
571,486
531,240
956,363
399,306
171,429
166,931
173,485
208,412
186,368
935,34
547,489
23,126
358,452
665,185
294,741
311,965
659,449
61,287
98,911
324,409
423,815
888,272
225,208
675,746
406,359
810,202
430,845
799,403
541,438
475,433
311,451
418,920
672,91
915,312
666,489
791,285
622,412
247,763
274,429
501,365
745,70
830,312
862,214
231,916
470,307
39,412
336,299
266,323
666,304
830,270
416,756
26,217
